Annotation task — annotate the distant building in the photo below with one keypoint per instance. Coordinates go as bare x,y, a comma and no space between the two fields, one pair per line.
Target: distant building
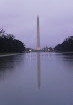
48,49
28,49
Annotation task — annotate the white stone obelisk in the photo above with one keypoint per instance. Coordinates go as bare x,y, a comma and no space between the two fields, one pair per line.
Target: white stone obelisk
38,34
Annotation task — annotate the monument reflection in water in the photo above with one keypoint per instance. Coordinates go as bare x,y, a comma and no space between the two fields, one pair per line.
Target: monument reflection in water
38,69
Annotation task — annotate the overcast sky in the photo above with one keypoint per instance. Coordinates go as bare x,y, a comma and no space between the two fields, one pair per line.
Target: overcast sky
19,17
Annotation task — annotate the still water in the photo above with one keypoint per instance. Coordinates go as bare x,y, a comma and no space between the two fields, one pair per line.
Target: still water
36,79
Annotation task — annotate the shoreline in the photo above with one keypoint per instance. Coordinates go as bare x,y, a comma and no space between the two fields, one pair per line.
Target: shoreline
8,54
63,52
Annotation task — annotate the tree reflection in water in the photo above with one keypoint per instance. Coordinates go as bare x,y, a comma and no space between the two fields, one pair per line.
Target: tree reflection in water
7,65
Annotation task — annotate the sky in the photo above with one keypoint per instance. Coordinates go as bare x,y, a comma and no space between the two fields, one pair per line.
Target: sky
19,17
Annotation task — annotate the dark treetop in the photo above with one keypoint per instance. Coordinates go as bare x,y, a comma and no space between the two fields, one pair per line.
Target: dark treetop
8,43
66,46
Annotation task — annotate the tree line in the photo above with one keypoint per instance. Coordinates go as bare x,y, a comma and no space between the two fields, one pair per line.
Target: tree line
8,43
66,46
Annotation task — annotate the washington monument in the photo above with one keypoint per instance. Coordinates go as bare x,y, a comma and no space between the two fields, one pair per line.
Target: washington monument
38,34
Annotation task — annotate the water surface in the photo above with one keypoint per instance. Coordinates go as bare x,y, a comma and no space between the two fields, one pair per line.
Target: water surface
36,79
